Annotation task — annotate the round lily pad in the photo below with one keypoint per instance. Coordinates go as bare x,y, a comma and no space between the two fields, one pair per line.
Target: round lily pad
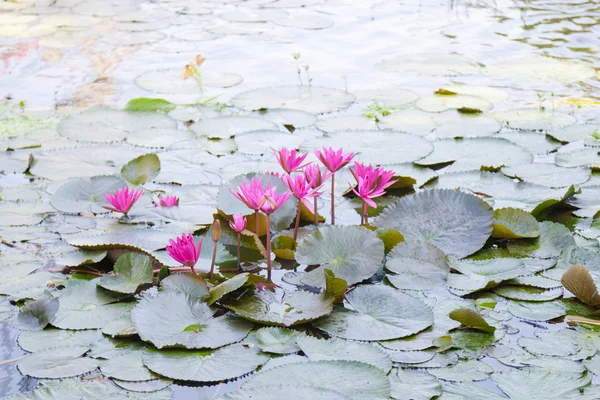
587,158
103,125
312,99
416,266
533,119
351,253
431,64
535,142
205,366
85,194
289,309
471,370
528,293
353,380
548,175
486,92
169,81
262,142
414,385
388,96
158,138
378,147
59,362
533,311
513,223
379,313
439,103
311,21
457,223
468,126
474,153
416,122
192,327
295,118
225,127
34,341
345,123
278,340
538,68
574,133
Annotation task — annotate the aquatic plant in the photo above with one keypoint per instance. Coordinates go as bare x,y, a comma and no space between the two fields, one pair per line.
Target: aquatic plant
123,200
371,183
185,250
316,179
238,224
333,160
302,189
167,201
252,195
192,70
290,160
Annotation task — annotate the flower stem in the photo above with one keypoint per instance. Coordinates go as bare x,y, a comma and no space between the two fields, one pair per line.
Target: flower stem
193,270
239,244
268,248
297,225
316,212
365,210
332,202
256,223
212,263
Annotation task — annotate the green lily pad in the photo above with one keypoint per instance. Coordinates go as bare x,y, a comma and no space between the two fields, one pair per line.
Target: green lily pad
457,223
34,341
377,147
36,315
192,326
85,194
379,313
122,327
536,311
537,383
439,103
291,309
475,153
513,223
312,99
548,175
471,370
127,367
145,104
192,286
272,339
60,362
260,142
574,133
227,287
414,385
205,366
417,266
141,169
528,293
355,380
582,158
131,271
471,319
86,306
103,125
351,253
339,349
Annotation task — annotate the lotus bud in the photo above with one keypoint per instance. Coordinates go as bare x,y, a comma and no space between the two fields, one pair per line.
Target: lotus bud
187,72
200,59
50,284
216,230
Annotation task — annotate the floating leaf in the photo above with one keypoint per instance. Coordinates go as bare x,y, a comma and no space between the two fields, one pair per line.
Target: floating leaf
278,340
471,319
85,194
536,311
60,362
354,380
528,293
537,383
34,341
131,271
290,392
145,104
291,309
227,287
36,315
513,223
141,169
548,175
127,367
122,327
414,385
205,366
174,319
192,286
457,223
339,349
351,253
417,265
379,313
471,370
86,306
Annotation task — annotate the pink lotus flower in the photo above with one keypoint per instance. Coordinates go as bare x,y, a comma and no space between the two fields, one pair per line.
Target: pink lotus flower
167,201
372,182
185,251
122,201
251,194
238,223
273,200
289,160
302,189
334,160
315,177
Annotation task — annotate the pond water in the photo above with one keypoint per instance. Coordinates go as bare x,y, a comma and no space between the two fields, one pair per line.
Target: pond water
520,84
